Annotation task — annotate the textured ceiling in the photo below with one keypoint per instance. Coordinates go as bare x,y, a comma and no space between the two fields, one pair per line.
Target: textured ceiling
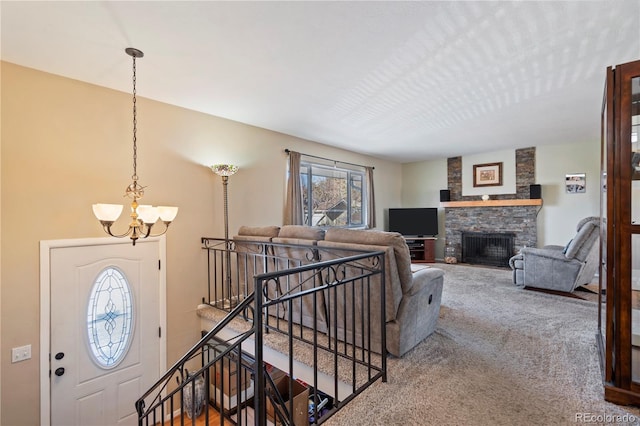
405,81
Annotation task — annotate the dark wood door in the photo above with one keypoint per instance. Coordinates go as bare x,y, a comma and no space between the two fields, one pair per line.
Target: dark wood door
619,318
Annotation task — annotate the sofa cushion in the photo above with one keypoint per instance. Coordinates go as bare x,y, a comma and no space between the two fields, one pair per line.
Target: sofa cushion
379,238
582,243
240,239
330,250
415,267
301,232
291,253
295,241
259,231
587,219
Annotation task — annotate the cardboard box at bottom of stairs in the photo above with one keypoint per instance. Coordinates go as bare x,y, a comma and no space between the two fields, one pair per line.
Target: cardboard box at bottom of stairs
299,395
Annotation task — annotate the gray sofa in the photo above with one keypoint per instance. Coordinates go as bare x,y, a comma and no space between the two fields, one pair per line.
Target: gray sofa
412,293
560,268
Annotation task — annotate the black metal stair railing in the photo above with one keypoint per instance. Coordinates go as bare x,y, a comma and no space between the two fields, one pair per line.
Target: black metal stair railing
329,300
319,311
169,403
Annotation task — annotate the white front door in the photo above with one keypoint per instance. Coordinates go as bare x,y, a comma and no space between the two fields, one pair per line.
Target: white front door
105,335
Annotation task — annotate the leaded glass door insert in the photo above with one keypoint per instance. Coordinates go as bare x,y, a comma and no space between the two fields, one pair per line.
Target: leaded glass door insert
110,318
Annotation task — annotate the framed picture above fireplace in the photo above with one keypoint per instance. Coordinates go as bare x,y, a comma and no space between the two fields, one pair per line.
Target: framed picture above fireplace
489,174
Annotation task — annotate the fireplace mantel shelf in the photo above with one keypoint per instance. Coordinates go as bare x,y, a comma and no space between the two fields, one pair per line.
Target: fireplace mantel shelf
492,203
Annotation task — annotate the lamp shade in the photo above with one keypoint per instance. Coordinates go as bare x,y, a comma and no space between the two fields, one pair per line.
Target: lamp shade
224,169
107,212
167,213
148,214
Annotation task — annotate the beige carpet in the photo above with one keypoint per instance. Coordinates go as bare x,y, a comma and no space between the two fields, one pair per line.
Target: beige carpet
501,355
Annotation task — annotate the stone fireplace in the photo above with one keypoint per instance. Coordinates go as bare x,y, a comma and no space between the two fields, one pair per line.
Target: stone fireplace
517,220
513,214
487,248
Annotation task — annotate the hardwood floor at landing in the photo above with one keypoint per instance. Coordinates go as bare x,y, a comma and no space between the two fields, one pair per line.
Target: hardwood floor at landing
201,420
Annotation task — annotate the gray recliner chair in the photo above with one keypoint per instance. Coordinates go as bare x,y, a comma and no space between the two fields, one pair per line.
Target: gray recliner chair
560,268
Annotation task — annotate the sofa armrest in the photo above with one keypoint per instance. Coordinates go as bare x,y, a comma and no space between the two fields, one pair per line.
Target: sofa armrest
553,247
550,254
424,278
516,262
418,312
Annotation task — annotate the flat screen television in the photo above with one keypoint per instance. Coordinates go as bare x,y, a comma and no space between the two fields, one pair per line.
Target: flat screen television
414,222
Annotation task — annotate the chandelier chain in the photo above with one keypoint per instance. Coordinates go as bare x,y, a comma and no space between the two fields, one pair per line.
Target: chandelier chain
135,122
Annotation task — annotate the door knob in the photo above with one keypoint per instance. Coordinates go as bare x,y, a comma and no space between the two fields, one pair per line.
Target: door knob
59,355
59,371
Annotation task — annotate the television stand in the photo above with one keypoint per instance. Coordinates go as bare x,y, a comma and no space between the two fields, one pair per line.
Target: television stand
422,249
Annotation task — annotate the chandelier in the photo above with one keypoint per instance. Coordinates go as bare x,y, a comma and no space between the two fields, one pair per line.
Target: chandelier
143,217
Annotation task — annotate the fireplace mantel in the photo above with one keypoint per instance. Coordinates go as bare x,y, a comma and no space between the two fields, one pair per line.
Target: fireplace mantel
492,203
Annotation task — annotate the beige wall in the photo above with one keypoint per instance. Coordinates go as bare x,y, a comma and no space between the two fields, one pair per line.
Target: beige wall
508,160
1,351
561,211
67,144
421,182
421,185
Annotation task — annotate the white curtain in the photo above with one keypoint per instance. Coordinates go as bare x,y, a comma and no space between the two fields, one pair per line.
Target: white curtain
293,208
371,201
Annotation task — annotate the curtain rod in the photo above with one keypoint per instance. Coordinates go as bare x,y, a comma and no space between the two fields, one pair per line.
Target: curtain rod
287,150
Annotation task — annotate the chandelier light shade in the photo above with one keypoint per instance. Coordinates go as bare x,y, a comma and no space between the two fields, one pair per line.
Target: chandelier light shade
107,212
143,217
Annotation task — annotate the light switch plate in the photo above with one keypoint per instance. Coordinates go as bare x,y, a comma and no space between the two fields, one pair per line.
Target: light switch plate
21,353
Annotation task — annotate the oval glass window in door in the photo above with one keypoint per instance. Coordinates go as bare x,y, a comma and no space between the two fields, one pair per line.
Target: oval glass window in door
110,318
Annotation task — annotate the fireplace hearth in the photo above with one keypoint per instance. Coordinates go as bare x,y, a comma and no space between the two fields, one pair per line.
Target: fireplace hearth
487,248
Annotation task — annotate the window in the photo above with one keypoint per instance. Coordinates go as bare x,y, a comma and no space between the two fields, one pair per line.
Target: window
332,195
110,318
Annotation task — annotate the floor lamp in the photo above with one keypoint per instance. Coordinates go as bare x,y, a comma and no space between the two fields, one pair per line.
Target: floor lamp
224,171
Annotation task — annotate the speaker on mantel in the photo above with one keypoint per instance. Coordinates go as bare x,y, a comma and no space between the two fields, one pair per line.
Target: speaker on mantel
445,195
535,192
